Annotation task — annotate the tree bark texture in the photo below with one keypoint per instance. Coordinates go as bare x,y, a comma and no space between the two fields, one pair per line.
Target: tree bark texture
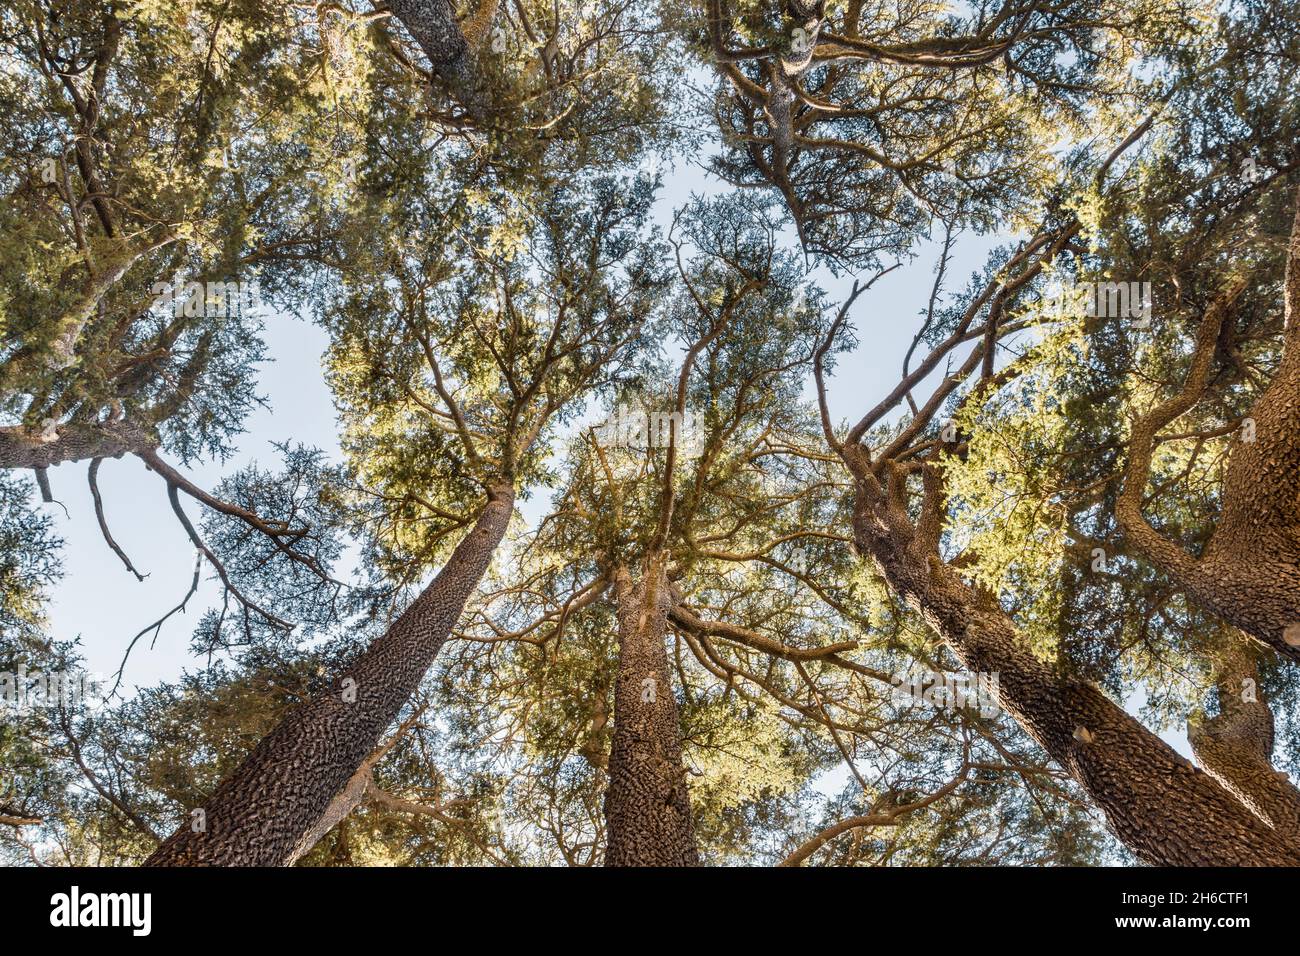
1236,745
647,804
1160,806
22,447
266,812
452,55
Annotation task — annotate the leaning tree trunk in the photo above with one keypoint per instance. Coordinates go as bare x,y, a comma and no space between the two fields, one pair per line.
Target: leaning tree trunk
452,48
263,813
647,805
1162,808
1236,745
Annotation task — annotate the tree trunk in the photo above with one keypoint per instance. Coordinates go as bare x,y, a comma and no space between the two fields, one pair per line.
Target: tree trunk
264,813
355,792
452,55
1162,808
647,805
22,447
1236,746
1249,574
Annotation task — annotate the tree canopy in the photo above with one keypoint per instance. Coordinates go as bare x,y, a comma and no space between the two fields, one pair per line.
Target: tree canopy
618,556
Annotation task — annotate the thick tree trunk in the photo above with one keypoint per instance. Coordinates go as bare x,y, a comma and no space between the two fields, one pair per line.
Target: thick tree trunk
266,812
1249,574
1236,746
1162,808
647,805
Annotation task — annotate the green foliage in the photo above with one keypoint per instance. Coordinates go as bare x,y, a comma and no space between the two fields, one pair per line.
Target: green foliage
493,281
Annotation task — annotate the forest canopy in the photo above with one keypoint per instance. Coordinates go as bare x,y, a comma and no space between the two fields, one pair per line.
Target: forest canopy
761,432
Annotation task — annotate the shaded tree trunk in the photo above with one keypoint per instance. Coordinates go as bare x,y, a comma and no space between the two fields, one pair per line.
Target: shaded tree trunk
647,804
354,794
1160,806
266,812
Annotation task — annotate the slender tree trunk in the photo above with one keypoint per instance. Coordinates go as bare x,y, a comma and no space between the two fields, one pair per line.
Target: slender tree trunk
647,805
453,55
1236,745
265,813
1162,808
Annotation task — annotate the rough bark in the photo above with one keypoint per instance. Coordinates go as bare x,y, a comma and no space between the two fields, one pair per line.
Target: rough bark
1249,573
647,804
265,813
355,792
452,56
1160,806
1235,747
361,790
22,447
